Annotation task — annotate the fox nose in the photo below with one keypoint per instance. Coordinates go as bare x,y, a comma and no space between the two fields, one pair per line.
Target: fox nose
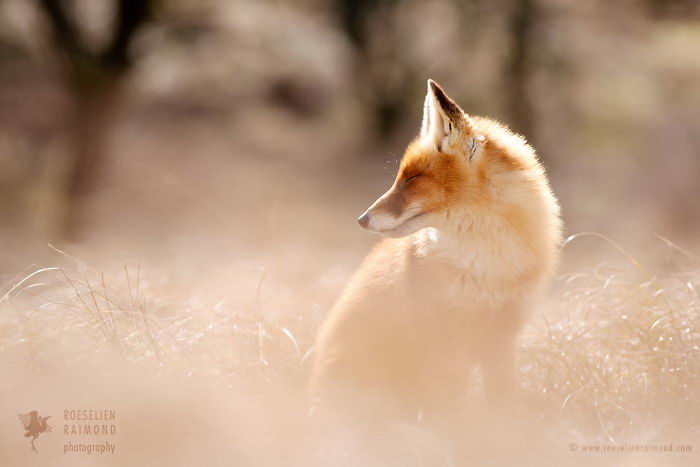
363,220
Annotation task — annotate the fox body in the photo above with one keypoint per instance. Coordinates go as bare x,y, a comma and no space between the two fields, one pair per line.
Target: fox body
473,234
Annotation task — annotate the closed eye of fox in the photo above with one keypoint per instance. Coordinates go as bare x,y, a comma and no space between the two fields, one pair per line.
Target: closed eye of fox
472,233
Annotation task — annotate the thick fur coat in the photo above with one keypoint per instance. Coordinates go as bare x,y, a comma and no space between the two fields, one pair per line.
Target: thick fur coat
473,235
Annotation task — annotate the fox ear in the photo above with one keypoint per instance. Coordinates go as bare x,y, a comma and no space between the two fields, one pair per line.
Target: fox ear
443,119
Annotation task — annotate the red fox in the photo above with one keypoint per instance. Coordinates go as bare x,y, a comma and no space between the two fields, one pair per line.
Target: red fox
473,234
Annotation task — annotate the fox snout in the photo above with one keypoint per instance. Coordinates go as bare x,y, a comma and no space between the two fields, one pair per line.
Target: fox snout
392,215
363,220
384,213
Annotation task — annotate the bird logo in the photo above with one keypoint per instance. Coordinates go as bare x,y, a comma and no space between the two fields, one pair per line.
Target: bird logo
34,425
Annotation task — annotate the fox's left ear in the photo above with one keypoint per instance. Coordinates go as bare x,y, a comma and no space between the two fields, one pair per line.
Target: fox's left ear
444,122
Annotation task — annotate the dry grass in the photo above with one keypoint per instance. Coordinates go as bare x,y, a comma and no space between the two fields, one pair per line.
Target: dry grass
620,361
127,315
616,359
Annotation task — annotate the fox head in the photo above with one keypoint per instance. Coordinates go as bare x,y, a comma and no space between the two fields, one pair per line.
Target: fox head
449,166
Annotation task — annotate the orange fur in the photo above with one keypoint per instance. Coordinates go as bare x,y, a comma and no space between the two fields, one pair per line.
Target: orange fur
474,233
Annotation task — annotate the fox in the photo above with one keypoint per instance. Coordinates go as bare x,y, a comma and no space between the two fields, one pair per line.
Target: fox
472,232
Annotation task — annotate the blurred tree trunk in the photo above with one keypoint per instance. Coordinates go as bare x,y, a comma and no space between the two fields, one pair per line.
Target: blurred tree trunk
95,79
519,67
94,112
382,79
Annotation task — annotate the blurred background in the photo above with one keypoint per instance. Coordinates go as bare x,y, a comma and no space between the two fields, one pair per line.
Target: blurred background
212,158
224,130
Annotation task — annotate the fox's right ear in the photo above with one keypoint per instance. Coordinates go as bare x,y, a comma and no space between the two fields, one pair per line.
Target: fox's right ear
443,119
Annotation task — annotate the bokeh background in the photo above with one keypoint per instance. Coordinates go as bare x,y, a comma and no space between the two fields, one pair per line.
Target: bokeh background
166,127
217,153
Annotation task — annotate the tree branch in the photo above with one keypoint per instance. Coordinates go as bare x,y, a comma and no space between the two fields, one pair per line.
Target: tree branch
131,14
64,29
